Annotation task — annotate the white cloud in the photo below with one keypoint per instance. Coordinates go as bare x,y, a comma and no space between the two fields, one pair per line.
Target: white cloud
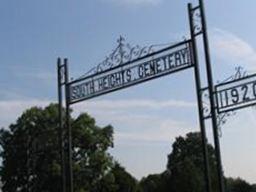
123,114
131,103
143,126
131,128
233,49
156,130
10,110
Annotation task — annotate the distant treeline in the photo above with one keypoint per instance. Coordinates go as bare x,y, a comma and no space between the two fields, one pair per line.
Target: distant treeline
31,159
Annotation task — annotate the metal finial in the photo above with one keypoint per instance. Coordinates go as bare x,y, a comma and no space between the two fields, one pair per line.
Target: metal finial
120,42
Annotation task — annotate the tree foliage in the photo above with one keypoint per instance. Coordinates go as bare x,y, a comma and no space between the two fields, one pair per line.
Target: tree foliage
185,170
124,181
30,152
186,164
31,159
91,160
238,185
156,182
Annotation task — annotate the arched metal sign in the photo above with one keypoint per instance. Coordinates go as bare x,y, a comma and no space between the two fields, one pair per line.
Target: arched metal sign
128,66
122,75
236,94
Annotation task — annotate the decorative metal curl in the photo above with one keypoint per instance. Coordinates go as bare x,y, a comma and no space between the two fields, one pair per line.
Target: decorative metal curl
197,21
62,74
122,54
240,72
206,106
221,118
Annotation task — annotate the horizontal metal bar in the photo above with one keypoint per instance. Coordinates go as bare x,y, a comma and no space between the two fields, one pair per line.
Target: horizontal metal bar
195,8
207,117
130,62
61,66
129,85
139,80
236,80
198,33
236,108
204,88
238,103
236,86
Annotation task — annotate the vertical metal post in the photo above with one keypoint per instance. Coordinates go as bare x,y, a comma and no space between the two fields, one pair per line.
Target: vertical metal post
199,101
68,126
211,95
61,142
28,161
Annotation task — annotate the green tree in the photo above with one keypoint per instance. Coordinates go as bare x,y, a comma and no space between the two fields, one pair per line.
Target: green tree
30,153
238,185
118,180
186,164
156,183
254,188
92,162
124,181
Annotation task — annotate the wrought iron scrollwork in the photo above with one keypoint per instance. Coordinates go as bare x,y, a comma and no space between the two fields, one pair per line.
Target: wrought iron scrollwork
206,105
122,54
240,72
197,21
222,118
62,74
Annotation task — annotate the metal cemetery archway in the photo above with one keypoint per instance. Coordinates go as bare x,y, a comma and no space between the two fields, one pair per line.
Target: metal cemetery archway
123,69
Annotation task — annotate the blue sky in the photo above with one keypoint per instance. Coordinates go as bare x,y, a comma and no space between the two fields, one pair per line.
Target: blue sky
147,117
